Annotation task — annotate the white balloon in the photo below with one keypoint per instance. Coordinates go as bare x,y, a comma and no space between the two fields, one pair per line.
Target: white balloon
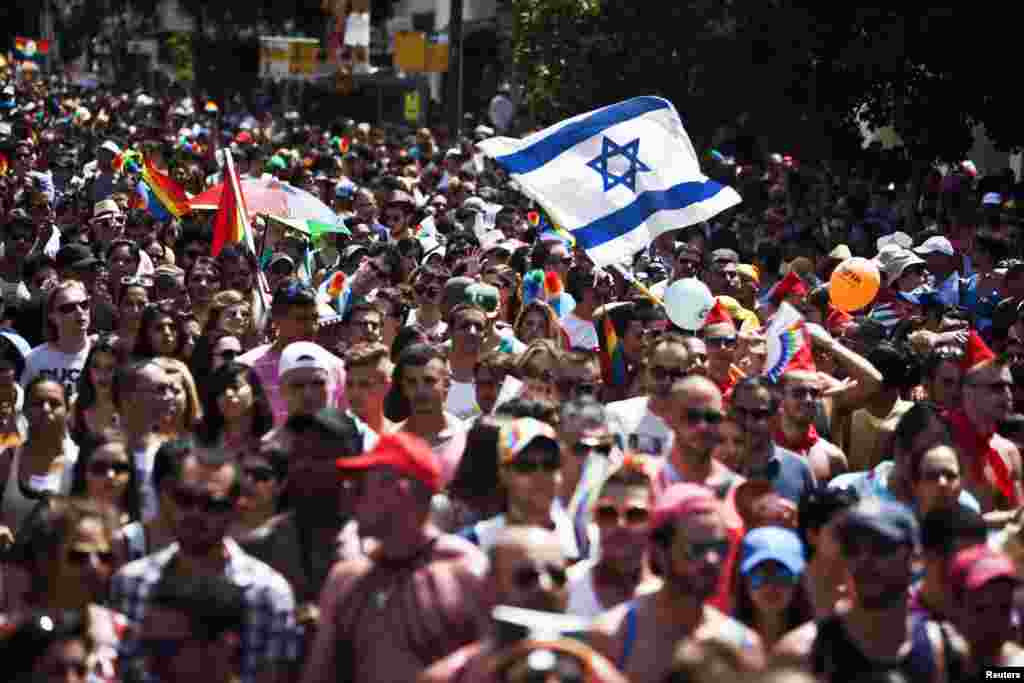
688,302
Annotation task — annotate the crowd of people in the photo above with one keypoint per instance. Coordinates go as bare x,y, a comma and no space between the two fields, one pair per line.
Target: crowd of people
433,441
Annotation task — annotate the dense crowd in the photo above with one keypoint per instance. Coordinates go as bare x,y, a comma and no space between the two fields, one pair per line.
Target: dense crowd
426,438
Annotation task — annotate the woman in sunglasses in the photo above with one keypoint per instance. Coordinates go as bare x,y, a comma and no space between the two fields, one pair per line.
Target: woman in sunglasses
104,474
770,597
236,412
64,556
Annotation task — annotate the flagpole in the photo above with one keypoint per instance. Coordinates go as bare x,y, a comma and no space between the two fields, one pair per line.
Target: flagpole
232,177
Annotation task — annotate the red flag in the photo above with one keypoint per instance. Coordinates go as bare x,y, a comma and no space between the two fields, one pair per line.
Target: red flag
231,224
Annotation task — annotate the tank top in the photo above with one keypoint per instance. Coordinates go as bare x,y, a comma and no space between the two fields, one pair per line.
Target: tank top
583,601
16,505
835,658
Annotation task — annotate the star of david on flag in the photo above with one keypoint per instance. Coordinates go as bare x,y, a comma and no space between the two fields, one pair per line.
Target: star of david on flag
616,177
630,152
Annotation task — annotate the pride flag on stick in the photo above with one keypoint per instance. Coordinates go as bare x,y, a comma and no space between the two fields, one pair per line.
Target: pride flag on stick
231,224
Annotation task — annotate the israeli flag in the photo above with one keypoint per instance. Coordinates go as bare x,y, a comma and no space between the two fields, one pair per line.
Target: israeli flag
615,178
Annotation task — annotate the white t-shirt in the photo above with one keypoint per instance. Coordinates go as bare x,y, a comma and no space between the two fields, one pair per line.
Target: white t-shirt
48,361
642,430
582,333
461,401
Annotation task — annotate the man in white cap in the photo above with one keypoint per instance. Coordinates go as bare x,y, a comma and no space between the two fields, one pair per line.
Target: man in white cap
943,264
105,182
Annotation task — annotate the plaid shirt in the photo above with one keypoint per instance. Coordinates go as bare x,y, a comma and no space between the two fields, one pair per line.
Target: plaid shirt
270,633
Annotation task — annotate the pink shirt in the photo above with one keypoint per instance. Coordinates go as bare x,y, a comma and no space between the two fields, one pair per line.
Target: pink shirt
398,620
264,360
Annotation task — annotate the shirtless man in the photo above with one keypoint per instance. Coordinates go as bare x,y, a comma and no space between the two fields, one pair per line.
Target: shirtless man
413,599
689,543
801,391
990,464
527,570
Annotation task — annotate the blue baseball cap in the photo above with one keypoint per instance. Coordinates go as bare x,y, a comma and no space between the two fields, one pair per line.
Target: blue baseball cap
772,543
892,521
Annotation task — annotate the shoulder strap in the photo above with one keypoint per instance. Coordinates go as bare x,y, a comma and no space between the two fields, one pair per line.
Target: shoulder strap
952,659
627,644
6,459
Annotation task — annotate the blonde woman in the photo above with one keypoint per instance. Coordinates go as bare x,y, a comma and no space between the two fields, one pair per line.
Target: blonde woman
187,411
536,368
231,314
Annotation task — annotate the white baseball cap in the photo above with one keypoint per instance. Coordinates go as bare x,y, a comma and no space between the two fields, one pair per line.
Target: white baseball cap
936,244
111,147
992,199
303,354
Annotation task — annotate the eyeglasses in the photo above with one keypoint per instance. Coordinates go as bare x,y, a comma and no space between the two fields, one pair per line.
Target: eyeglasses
83,557
259,474
102,468
661,374
189,500
611,515
555,261
584,447
780,576
699,551
526,578
550,463
696,415
758,414
72,306
720,342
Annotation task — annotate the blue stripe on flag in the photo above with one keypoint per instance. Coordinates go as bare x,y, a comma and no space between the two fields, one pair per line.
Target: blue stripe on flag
543,151
618,223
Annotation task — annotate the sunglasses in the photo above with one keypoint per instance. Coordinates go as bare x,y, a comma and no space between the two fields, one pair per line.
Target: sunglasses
379,272
780,576
696,415
102,468
189,500
83,557
72,306
571,387
259,474
564,261
612,515
227,355
720,342
527,578
550,463
699,551
585,447
804,392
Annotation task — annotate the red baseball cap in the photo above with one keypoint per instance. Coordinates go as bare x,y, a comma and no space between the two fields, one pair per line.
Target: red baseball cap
406,453
680,501
976,566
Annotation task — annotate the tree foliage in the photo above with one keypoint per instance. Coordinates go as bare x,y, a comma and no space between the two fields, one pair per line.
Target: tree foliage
809,70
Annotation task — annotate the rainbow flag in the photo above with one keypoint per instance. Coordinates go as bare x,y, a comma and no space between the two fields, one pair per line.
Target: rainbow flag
231,224
30,48
146,200
168,193
613,359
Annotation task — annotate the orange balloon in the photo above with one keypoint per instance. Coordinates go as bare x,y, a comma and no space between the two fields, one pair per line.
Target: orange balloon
854,284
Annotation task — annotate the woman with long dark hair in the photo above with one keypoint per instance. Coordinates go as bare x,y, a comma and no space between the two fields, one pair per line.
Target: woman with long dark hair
93,411
236,411
160,332
770,597
104,473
